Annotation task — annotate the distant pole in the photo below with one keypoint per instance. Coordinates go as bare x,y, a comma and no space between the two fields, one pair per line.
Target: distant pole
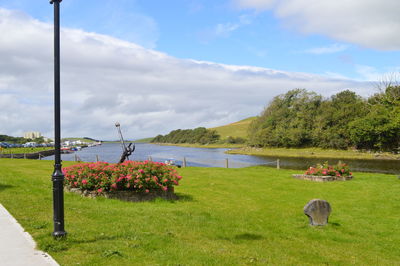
58,176
97,158
278,164
226,163
184,161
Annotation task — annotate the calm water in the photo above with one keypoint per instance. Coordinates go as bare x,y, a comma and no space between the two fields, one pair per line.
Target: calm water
111,152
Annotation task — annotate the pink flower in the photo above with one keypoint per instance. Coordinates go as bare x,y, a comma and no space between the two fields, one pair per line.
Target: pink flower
75,183
147,191
84,181
179,177
165,180
342,170
164,188
114,186
141,171
324,172
100,190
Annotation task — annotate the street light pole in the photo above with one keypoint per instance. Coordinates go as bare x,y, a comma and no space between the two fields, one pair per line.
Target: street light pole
58,176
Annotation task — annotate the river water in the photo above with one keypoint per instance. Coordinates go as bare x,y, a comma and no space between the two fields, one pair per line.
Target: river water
205,157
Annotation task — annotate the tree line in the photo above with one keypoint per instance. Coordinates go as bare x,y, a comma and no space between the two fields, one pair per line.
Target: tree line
19,140
300,118
199,135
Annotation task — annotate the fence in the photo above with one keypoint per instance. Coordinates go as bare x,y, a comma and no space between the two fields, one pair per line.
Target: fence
226,163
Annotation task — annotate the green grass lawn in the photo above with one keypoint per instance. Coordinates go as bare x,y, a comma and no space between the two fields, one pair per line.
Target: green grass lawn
24,150
313,153
225,217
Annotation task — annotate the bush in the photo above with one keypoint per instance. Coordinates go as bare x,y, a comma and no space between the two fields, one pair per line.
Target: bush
132,176
340,169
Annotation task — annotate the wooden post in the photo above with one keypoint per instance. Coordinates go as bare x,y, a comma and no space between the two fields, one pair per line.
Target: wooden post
226,163
76,158
97,158
24,155
11,155
40,156
184,161
150,159
278,165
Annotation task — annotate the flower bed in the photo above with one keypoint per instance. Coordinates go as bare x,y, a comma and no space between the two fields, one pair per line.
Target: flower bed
132,181
325,172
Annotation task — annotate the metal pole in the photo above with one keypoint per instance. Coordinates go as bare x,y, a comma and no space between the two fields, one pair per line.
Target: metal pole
58,176
123,146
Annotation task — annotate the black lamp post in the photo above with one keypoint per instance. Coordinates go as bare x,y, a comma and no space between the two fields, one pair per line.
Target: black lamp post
58,176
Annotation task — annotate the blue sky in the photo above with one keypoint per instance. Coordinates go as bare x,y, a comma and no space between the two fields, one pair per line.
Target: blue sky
156,66
220,31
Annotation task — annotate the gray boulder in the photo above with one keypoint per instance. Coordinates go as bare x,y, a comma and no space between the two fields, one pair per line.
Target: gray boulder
318,211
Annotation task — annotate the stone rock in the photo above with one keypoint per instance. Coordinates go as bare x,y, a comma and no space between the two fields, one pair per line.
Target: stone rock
318,211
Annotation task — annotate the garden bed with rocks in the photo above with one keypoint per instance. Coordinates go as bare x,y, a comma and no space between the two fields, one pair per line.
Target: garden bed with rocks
132,196
322,178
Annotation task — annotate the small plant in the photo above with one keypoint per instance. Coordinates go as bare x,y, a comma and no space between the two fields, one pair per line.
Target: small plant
340,169
129,176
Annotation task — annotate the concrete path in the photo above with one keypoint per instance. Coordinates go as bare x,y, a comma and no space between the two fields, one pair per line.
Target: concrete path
17,247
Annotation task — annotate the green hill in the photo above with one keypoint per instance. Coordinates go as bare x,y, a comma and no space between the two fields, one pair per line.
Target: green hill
236,129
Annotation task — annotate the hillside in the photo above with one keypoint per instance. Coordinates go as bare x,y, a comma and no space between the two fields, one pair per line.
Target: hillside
236,129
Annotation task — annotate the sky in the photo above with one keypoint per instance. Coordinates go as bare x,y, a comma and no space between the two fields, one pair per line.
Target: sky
156,65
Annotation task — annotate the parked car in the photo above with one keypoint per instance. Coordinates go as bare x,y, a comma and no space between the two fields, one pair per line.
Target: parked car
4,145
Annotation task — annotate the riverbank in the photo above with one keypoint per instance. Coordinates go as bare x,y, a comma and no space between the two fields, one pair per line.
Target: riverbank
293,152
26,153
314,153
24,150
224,217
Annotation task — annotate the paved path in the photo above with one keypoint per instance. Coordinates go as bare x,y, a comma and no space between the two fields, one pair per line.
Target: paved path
17,247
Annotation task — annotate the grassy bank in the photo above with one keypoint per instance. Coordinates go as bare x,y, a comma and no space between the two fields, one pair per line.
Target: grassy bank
237,129
225,217
24,150
209,146
313,153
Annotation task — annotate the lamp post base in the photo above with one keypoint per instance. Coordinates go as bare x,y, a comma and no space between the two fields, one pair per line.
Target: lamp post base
59,234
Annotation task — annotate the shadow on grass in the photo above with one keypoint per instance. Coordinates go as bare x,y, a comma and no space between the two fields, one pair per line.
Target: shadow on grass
244,236
3,187
248,236
184,197
181,198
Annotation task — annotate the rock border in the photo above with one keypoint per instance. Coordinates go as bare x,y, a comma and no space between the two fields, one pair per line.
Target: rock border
322,178
131,196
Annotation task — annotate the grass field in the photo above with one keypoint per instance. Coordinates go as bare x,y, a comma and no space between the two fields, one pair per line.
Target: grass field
249,216
313,153
237,129
24,150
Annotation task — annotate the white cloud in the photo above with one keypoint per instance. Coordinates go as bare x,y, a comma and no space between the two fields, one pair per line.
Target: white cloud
370,23
331,49
225,29
105,80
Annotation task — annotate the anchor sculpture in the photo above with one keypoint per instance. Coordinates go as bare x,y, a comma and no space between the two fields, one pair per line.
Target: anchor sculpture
126,150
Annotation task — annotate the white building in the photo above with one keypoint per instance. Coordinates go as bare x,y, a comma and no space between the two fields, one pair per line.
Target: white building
32,135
